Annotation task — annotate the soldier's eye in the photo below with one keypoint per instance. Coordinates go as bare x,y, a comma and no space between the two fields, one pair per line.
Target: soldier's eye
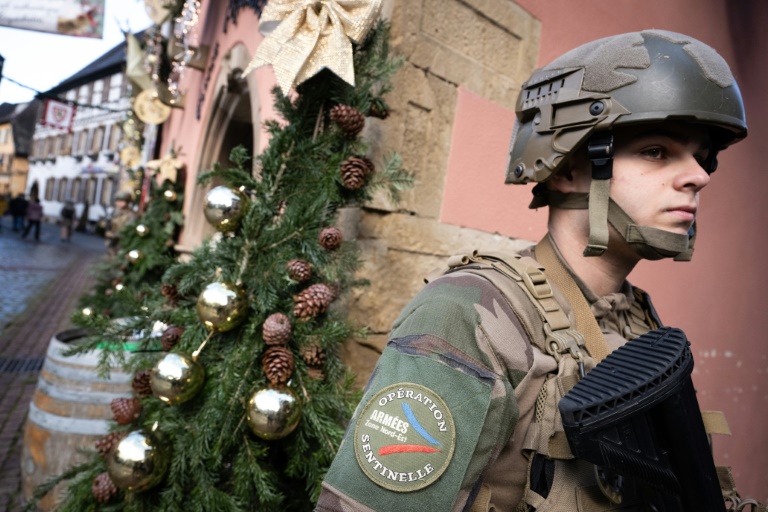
654,152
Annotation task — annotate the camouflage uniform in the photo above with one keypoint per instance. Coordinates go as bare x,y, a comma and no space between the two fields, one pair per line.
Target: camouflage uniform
462,340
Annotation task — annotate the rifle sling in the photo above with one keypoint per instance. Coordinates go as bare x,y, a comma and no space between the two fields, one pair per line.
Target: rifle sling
585,321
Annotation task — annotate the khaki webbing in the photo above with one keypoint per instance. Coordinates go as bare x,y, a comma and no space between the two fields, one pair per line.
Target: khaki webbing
585,320
599,191
715,423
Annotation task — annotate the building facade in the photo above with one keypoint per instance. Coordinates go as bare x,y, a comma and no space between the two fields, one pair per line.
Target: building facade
83,164
17,123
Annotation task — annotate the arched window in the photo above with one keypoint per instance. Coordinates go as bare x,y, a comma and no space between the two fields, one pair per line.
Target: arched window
97,140
62,196
90,189
76,192
114,137
50,184
107,191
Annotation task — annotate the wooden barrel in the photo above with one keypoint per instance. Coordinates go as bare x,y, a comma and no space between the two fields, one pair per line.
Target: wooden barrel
69,411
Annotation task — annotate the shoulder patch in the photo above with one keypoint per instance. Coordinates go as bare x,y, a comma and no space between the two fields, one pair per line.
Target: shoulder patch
404,437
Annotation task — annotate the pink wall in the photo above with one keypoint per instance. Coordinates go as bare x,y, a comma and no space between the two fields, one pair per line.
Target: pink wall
183,128
718,299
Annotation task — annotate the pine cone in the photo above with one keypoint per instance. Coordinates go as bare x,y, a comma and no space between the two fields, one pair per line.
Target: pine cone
299,270
141,384
105,444
171,337
379,110
330,238
276,329
354,172
350,120
126,410
103,488
278,364
312,301
170,293
313,355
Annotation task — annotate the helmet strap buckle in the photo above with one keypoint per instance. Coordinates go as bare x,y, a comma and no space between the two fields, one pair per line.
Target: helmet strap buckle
600,153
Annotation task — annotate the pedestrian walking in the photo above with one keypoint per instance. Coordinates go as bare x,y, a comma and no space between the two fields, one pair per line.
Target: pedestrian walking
34,216
18,210
67,219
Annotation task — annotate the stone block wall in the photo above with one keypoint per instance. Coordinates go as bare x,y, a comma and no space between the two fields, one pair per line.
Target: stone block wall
486,46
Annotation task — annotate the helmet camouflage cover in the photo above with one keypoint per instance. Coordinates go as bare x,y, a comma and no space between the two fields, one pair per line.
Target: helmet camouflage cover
640,77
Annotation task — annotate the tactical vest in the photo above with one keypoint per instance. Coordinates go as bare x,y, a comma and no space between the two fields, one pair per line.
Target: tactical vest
558,322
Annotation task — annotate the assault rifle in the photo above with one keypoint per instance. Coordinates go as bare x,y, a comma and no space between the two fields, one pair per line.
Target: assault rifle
636,414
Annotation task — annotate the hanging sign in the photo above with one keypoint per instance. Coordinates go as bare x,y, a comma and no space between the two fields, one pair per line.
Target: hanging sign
66,17
58,114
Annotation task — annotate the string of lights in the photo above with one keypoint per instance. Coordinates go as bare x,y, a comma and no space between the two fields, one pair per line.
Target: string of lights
43,95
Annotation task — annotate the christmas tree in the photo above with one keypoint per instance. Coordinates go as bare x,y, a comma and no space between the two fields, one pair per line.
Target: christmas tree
143,250
247,404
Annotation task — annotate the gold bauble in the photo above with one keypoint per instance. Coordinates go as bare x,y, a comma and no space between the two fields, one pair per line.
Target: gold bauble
169,196
176,377
273,412
224,207
134,256
221,306
139,461
142,230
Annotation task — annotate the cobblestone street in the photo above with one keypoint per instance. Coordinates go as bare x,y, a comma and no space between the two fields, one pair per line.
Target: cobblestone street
40,282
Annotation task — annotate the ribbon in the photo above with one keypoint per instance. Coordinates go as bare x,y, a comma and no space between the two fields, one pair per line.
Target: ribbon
304,36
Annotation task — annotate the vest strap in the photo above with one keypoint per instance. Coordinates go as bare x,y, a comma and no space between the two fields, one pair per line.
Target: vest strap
585,320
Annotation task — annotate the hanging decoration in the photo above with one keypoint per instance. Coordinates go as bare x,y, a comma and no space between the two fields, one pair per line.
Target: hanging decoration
224,207
304,37
157,10
134,256
221,306
138,461
183,24
167,167
176,378
149,108
273,412
142,230
135,64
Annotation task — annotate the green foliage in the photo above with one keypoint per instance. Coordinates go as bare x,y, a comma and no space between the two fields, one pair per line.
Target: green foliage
217,463
121,285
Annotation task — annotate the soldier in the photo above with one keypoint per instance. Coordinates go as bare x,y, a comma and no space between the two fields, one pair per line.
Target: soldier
621,135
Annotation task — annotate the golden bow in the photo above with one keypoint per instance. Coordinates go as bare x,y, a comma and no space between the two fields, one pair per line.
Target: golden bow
305,36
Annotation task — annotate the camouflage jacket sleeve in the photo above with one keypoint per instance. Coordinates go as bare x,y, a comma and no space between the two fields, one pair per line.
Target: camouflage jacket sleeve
439,406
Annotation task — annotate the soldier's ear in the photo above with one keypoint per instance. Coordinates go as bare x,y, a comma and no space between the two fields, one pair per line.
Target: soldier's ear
575,176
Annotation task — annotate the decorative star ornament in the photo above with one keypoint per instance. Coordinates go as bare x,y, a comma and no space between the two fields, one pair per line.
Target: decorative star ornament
166,168
302,37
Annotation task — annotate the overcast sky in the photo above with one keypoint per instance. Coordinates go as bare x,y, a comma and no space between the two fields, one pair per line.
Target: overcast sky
43,60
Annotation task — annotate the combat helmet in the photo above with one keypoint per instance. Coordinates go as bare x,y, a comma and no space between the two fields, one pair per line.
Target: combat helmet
577,100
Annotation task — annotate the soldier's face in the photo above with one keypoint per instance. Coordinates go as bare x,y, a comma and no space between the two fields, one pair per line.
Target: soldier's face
658,174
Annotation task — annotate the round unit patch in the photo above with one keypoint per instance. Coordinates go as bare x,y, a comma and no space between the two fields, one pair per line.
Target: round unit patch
404,437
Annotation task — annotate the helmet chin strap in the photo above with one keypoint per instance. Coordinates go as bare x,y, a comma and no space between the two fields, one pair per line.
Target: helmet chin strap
649,243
